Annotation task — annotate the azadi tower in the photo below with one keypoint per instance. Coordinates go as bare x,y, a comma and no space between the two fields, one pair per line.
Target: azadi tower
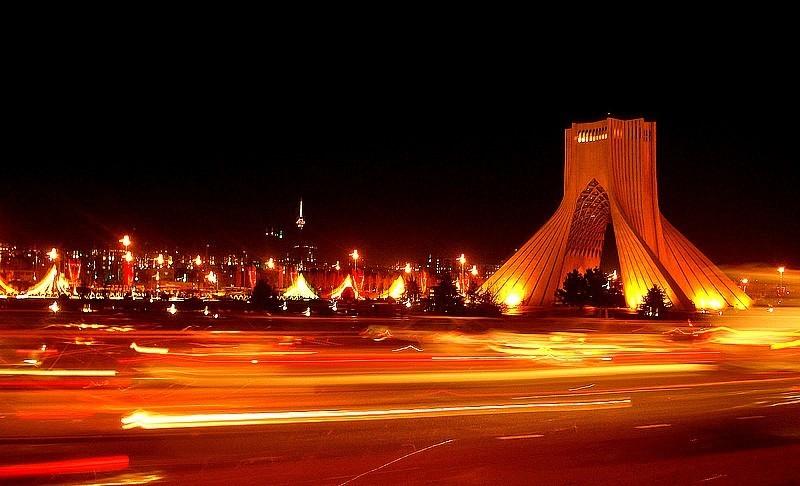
610,177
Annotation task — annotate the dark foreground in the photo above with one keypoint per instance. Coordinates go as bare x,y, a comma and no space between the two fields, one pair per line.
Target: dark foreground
387,402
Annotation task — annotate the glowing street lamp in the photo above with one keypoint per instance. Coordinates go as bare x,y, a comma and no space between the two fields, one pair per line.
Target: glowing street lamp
781,269
355,256
744,283
407,268
337,266
52,254
126,241
462,260
474,271
160,259
212,277
198,261
271,264
128,257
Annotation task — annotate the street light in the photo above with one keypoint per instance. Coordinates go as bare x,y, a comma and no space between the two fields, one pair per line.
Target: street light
781,269
407,268
52,254
474,271
128,257
126,241
462,260
212,278
271,264
355,257
160,259
198,261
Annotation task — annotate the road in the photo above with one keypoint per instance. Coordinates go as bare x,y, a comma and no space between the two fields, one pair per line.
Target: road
115,399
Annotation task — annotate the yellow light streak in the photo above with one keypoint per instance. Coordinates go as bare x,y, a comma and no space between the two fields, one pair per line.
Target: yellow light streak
126,479
790,344
150,421
434,377
148,350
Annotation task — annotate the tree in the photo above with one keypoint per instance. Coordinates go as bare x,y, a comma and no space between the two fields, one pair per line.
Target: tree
446,297
575,291
593,288
655,303
263,296
483,302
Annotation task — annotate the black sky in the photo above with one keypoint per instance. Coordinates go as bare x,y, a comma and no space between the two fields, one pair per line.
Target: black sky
394,171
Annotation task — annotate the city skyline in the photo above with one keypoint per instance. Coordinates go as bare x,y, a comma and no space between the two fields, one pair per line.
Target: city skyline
392,190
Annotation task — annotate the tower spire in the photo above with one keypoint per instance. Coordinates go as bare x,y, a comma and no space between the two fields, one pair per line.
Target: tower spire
300,221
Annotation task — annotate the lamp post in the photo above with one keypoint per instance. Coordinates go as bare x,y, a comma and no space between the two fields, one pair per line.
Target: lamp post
463,261
781,269
126,242
355,257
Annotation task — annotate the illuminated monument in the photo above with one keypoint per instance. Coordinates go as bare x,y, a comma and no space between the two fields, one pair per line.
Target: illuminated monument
610,178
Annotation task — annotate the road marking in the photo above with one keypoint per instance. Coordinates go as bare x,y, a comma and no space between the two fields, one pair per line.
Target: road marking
514,437
582,387
750,417
654,426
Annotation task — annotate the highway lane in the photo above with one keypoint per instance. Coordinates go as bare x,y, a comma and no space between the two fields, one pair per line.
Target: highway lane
386,403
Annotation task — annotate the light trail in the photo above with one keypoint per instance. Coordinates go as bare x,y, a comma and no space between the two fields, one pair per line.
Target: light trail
127,479
654,426
35,372
441,377
71,466
148,349
149,421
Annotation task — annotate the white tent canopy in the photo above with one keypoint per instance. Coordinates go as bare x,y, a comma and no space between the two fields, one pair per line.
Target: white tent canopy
300,290
52,285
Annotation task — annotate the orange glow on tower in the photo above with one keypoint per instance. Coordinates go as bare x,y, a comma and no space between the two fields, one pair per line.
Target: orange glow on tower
610,178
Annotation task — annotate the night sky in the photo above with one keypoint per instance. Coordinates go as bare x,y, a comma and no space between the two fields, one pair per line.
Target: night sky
394,173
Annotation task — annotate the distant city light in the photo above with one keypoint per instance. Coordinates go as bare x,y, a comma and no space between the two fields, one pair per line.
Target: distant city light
52,254
211,277
781,270
462,259
271,264
54,307
355,255
198,261
160,259
474,271
408,268
128,257
126,241
172,309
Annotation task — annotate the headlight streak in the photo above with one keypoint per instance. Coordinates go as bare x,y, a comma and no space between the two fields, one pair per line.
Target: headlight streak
435,376
150,421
